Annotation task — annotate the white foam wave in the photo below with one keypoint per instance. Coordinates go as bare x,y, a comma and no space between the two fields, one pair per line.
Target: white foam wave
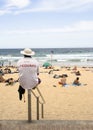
55,58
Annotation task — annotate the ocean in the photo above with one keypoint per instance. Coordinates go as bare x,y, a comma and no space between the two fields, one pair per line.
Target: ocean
56,56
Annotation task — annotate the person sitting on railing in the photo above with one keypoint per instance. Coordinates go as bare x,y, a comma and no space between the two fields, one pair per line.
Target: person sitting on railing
28,69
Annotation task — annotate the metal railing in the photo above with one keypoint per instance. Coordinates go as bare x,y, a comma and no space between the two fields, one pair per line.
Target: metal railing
38,103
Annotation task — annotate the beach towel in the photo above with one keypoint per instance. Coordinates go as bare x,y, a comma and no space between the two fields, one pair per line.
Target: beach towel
75,85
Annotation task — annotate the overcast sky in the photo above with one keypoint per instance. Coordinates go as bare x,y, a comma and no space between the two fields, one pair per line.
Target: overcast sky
46,23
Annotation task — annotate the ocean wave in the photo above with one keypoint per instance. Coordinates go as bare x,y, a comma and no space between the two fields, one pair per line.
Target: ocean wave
59,56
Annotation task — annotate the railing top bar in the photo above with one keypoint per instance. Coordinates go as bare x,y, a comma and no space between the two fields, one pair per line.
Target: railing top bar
40,94
36,97
34,94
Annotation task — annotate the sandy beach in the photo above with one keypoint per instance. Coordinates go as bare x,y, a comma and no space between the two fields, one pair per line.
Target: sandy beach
62,103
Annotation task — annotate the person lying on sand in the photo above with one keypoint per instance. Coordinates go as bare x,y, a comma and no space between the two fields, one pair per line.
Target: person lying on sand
60,76
78,73
9,81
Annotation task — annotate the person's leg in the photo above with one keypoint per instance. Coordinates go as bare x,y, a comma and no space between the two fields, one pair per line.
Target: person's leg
24,97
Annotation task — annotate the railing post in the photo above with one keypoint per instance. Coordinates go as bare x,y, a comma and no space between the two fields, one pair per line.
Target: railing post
29,105
42,110
37,108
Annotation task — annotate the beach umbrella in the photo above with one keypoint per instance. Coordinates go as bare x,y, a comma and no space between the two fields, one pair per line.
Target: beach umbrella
46,64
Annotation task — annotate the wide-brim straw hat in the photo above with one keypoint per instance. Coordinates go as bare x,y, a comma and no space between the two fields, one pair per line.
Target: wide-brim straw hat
28,52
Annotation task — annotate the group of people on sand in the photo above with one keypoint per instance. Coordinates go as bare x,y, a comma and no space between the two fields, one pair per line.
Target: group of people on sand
4,71
76,71
63,78
76,81
8,81
63,82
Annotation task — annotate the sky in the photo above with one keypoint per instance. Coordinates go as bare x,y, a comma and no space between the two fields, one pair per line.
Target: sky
46,23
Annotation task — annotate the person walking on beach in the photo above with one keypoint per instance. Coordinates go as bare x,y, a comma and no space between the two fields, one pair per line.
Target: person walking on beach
28,69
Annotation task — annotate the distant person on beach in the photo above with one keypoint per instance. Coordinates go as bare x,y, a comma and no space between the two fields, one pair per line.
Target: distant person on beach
2,79
28,69
76,82
74,69
63,80
9,81
78,73
1,72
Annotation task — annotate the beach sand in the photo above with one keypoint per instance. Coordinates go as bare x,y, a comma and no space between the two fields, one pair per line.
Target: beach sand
62,103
